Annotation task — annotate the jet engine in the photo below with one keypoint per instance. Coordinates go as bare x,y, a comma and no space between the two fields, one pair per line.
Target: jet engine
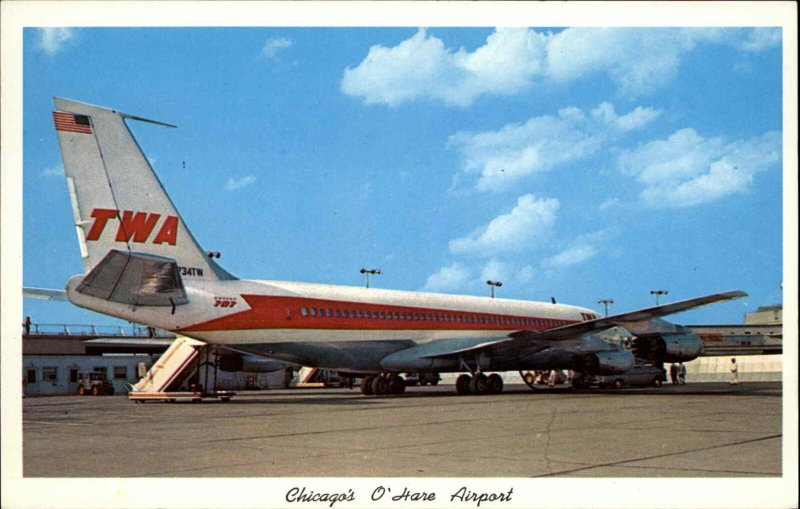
668,347
663,341
605,363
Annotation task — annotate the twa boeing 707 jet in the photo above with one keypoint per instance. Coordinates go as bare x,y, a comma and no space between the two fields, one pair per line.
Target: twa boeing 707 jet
142,264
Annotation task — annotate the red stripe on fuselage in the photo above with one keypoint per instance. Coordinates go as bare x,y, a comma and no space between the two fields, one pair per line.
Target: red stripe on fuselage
267,312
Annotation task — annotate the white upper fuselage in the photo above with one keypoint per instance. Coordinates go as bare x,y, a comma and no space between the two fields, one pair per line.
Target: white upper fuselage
242,312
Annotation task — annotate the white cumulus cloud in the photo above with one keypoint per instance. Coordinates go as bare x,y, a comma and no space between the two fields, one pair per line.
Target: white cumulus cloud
496,160
53,40
762,38
494,270
687,169
452,278
639,60
53,171
514,231
582,249
512,60
421,67
570,256
275,45
237,183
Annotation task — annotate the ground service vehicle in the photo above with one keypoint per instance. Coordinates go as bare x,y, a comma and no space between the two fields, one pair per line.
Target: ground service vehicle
95,383
641,376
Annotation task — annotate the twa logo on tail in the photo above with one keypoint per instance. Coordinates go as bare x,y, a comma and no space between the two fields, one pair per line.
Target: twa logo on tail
134,226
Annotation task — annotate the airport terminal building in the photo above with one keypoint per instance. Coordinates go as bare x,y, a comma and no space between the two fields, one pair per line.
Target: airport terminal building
54,356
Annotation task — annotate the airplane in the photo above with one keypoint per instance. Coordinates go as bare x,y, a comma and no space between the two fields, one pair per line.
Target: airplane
142,264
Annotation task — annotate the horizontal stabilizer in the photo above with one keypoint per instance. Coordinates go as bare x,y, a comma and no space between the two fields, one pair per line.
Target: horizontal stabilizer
137,279
44,293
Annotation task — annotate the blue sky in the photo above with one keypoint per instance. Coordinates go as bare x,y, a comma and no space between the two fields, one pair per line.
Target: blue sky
577,163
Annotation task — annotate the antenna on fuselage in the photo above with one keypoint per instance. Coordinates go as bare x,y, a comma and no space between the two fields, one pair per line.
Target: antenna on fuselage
553,300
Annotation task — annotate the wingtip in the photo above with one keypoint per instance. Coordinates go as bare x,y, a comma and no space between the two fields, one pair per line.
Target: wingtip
735,294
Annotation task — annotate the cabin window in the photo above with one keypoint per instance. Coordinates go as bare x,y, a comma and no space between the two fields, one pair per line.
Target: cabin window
312,312
383,315
50,374
73,375
304,311
338,313
120,372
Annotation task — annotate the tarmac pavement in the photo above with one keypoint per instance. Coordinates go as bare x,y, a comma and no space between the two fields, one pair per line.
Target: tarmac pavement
695,430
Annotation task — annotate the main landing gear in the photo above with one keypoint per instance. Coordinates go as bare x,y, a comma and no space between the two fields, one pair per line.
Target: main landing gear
385,383
479,384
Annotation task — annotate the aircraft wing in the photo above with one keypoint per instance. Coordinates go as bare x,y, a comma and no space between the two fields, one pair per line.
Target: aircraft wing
44,293
599,324
525,338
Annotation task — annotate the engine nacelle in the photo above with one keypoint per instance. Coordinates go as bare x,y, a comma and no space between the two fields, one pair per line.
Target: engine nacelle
669,347
605,363
249,363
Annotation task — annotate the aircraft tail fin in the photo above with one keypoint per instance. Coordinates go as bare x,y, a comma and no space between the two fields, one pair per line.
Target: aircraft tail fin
118,203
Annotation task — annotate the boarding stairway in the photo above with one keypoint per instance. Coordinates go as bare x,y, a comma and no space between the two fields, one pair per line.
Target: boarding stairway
168,378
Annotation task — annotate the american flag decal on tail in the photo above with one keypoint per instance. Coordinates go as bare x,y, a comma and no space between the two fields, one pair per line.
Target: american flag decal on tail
72,123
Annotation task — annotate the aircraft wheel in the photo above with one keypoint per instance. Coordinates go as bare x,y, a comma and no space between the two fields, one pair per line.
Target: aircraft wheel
479,384
494,384
397,385
81,391
657,382
95,391
366,385
462,384
380,385
618,383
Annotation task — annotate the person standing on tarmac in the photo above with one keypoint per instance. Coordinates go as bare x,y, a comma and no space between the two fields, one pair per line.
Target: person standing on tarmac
734,372
681,374
673,373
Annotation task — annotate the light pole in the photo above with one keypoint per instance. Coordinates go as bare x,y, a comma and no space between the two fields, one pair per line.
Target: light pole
493,284
606,302
657,293
367,272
